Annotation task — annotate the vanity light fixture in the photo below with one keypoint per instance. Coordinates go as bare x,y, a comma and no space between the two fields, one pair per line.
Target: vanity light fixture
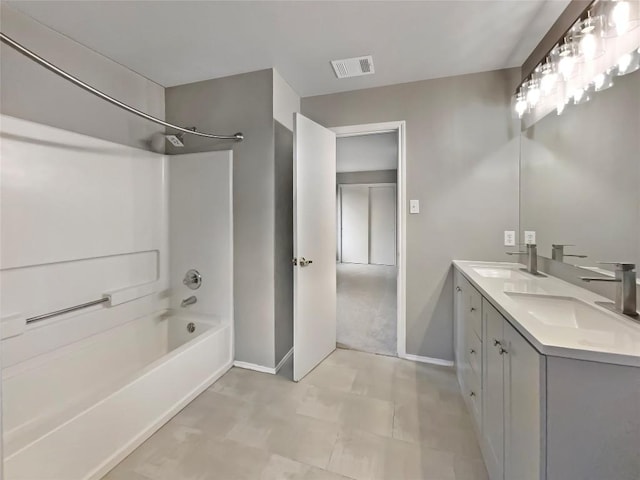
602,43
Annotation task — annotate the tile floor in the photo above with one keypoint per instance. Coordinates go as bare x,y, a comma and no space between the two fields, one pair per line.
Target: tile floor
367,314
356,416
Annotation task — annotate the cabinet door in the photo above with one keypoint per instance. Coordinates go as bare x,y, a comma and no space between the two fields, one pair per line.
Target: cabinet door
524,416
458,321
493,391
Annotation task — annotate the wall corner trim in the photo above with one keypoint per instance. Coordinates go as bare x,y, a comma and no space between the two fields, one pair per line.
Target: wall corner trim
284,360
262,369
432,361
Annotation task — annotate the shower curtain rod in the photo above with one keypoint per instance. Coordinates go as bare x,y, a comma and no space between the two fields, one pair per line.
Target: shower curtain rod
58,71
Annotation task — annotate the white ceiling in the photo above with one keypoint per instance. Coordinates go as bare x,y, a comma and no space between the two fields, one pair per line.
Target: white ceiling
178,42
367,152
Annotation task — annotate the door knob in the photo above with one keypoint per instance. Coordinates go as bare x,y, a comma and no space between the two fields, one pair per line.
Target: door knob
304,262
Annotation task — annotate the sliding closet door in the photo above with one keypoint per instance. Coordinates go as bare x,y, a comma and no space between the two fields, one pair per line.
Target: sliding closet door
355,223
382,218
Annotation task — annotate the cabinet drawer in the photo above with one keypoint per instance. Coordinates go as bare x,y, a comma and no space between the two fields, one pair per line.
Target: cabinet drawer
473,395
473,351
475,311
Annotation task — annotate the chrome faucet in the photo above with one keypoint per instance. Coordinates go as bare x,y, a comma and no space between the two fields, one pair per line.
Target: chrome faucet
188,301
557,252
625,301
532,259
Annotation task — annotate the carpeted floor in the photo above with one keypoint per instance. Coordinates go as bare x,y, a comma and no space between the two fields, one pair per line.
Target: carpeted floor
367,309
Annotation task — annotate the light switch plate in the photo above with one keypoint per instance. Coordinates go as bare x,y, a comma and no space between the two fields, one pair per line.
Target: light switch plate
530,237
509,238
414,206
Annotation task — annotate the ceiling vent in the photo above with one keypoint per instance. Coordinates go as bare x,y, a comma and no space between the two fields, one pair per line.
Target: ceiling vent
353,67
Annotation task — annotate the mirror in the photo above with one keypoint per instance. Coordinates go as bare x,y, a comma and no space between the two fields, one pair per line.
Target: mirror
580,178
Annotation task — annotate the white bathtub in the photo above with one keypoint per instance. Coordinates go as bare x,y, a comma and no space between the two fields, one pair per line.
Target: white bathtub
76,412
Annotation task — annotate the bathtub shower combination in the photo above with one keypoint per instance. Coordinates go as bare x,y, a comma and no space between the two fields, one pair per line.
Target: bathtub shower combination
104,335
77,411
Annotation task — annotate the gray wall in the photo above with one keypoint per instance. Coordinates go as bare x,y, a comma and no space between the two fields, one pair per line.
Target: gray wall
361,153
283,275
462,163
231,104
31,92
375,176
586,192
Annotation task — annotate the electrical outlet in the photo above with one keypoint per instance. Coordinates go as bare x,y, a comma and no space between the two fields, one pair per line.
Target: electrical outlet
414,206
530,237
509,238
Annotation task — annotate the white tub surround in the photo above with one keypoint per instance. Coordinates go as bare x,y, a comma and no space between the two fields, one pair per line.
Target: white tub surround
82,220
552,380
75,413
614,340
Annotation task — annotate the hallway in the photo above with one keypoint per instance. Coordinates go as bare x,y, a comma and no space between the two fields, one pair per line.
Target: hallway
367,311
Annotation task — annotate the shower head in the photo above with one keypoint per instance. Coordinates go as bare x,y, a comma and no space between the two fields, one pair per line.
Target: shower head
175,140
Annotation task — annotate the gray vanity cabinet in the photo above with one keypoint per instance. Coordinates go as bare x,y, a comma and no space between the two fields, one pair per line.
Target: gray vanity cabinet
505,393
468,344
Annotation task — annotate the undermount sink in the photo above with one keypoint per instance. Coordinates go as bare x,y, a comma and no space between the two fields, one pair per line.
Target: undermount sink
498,272
562,311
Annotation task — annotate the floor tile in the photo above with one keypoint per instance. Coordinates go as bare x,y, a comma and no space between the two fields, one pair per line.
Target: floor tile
282,468
366,456
331,376
294,436
348,410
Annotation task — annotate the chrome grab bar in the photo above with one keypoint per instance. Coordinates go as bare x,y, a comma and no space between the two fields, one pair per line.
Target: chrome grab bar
58,71
66,310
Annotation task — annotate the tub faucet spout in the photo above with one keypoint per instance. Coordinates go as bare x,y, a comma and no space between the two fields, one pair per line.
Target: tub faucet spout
188,301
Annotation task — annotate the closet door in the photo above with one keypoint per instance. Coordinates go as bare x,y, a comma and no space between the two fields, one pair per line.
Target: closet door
355,223
382,215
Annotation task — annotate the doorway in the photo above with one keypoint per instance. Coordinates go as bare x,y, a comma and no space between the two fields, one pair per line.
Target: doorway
367,253
314,238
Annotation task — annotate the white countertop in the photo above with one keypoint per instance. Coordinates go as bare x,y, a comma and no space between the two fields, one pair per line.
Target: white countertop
612,339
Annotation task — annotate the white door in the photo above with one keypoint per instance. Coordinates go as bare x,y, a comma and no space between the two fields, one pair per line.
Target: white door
382,225
314,236
355,223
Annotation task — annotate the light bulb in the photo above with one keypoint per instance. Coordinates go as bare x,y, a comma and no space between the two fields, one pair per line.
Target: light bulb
533,94
565,66
624,62
560,107
589,46
628,63
521,105
620,16
548,80
603,81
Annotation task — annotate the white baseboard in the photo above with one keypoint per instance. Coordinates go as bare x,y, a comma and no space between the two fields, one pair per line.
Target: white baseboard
432,361
284,360
255,367
260,368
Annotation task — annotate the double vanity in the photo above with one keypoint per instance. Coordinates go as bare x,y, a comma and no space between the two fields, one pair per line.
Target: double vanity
551,377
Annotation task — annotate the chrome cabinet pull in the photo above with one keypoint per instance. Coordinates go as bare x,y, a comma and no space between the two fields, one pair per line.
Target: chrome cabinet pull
496,342
472,351
458,289
502,351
